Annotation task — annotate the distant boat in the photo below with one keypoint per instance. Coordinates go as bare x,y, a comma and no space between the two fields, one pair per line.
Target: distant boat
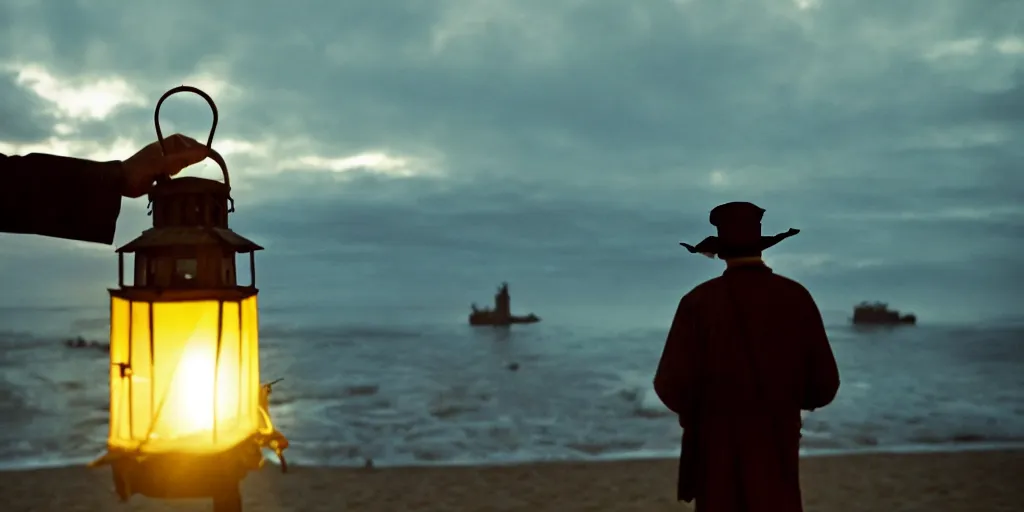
878,313
501,314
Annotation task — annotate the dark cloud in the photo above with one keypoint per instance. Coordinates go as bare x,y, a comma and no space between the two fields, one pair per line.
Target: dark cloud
22,113
1006,105
573,144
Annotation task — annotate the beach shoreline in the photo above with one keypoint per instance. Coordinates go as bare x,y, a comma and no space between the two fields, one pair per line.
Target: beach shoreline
960,480
579,393
56,462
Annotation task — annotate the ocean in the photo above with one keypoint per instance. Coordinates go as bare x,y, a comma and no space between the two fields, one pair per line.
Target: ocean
408,389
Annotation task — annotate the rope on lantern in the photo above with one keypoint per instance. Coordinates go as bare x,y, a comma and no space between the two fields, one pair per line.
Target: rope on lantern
268,436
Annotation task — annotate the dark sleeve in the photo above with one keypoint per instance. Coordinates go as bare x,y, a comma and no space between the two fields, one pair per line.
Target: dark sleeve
822,374
60,197
675,379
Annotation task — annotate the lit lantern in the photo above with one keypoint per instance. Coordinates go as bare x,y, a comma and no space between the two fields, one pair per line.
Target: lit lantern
188,416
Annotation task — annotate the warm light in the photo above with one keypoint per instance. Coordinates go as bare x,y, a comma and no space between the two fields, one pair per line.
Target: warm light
192,375
188,416
192,411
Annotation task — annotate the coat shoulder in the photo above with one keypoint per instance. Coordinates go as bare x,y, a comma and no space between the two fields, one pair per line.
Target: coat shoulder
791,286
769,282
701,290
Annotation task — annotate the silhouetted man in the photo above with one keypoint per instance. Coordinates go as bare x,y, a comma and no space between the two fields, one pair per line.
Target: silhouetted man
79,199
746,352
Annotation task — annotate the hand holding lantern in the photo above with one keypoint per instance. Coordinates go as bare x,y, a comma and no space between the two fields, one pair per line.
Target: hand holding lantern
187,413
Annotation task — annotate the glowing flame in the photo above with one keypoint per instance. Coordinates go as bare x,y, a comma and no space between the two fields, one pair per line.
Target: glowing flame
192,407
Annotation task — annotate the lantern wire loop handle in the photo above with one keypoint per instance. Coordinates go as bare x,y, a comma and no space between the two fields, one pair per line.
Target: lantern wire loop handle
185,88
213,154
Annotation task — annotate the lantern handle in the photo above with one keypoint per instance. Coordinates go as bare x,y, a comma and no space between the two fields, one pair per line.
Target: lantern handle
213,154
185,88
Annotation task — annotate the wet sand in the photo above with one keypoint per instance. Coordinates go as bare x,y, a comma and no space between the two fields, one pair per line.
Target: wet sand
975,481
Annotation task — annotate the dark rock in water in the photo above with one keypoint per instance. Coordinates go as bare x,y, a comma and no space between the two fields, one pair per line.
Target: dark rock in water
968,438
77,342
866,440
80,342
513,366
361,390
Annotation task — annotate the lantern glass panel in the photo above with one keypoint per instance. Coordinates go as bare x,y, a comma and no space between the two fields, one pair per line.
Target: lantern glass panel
193,386
120,311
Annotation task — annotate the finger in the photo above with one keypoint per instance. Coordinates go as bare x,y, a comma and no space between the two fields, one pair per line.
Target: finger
187,151
178,142
191,156
174,163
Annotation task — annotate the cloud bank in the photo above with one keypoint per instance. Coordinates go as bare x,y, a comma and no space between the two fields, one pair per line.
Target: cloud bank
438,147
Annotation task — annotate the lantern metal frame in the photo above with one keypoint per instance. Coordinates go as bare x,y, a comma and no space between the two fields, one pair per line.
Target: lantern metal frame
197,221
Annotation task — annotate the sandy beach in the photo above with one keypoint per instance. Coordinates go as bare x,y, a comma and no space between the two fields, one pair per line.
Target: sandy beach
978,481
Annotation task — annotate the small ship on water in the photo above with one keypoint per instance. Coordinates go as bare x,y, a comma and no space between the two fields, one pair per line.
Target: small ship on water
501,315
878,313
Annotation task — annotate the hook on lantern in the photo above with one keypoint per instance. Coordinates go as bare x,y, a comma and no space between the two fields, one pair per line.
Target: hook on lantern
215,156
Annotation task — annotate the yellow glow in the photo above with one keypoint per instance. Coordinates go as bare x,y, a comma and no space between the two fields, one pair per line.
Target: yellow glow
192,410
182,393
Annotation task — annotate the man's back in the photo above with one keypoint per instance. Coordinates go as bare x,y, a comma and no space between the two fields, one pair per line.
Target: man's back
767,349
747,351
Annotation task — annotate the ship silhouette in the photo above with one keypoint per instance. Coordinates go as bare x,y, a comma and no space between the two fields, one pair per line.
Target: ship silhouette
878,313
501,314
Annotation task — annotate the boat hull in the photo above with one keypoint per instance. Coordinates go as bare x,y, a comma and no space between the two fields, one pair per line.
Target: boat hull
902,320
477,320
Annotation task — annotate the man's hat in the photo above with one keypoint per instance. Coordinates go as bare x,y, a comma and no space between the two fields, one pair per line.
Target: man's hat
739,232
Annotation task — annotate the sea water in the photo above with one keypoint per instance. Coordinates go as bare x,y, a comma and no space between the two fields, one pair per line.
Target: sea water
410,390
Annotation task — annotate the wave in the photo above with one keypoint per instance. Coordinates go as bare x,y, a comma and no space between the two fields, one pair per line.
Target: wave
51,461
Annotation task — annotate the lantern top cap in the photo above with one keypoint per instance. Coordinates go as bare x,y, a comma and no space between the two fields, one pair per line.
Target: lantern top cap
189,185
190,237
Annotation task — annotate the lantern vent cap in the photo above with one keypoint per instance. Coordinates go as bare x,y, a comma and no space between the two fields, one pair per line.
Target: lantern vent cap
190,236
188,185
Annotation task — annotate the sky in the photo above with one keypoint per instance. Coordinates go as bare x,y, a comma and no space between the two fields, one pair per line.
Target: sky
419,152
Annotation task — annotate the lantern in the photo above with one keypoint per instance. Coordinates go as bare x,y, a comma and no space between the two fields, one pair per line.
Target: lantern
188,416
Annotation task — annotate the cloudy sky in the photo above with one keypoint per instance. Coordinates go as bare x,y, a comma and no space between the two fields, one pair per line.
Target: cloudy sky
432,148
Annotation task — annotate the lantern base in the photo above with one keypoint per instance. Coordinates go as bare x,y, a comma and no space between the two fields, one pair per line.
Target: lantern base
183,475
230,500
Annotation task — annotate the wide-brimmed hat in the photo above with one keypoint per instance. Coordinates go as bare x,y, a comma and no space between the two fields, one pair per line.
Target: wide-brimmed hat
739,232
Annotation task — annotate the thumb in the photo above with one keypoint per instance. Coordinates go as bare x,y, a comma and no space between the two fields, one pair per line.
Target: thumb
182,158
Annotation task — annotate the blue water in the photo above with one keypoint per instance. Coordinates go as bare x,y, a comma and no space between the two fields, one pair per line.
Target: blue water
413,391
